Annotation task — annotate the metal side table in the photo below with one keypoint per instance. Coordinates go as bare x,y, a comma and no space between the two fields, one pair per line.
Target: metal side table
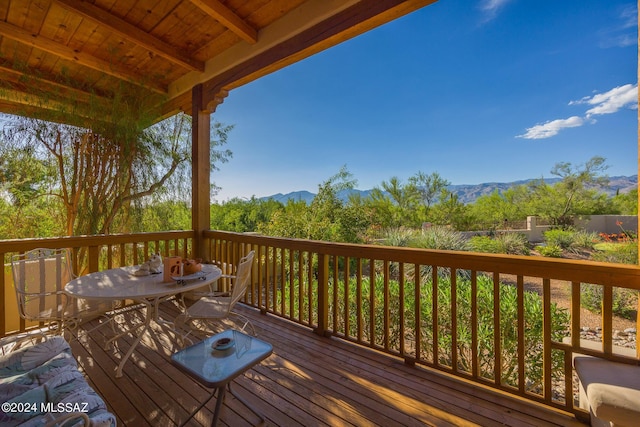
216,368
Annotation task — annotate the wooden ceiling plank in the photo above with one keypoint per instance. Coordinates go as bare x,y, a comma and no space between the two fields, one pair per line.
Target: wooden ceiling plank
132,33
27,14
228,18
62,26
181,28
4,10
48,45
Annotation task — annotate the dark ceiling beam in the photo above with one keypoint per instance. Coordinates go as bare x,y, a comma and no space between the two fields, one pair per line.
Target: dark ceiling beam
228,18
132,33
113,69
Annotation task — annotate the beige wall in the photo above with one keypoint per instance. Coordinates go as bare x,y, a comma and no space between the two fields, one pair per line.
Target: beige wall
595,223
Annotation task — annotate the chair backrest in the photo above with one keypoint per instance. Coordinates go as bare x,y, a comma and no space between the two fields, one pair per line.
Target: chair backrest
39,277
242,278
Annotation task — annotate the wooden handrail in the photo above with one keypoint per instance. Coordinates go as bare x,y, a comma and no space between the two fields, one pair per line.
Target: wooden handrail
382,297
329,287
91,253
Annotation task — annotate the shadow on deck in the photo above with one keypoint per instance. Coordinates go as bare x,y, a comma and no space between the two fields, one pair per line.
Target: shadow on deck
308,381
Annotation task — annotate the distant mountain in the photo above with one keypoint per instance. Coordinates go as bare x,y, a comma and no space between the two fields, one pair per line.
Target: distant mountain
467,193
295,196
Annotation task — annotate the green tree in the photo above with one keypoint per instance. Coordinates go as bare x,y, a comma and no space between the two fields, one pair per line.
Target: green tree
292,221
428,188
103,172
395,203
508,205
625,203
450,211
161,216
23,175
381,208
326,218
575,194
243,215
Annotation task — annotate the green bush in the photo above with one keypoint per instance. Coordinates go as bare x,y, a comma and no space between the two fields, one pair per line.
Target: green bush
625,301
485,244
400,236
564,239
623,253
553,251
374,309
502,243
585,240
442,238
513,243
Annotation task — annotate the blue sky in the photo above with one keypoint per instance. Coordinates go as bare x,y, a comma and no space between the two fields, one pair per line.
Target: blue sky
477,91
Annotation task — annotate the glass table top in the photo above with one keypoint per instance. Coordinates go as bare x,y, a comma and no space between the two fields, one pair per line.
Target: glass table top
214,367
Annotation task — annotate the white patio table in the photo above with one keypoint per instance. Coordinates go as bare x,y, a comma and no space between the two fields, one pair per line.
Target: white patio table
121,284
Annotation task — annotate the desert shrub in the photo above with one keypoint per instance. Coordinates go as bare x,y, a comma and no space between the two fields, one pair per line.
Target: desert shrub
513,243
585,240
552,251
623,253
502,243
400,236
625,301
484,244
374,311
564,239
442,238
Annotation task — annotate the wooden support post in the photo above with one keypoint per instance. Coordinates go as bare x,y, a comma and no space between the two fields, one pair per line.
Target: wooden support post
201,173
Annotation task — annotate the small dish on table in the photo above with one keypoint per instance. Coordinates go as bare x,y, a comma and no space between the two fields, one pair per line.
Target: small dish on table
222,344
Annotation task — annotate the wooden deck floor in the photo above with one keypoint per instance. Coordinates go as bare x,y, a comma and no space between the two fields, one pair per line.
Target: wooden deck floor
307,381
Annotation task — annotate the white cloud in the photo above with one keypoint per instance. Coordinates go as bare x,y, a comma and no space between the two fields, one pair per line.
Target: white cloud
551,128
610,102
624,33
491,7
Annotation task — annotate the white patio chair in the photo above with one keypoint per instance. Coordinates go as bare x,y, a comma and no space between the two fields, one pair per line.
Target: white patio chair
217,306
39,277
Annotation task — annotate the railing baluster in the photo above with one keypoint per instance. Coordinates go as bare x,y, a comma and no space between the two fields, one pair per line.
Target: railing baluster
454,320
418,312
607,320
521,335
385,305
323,295
546,346
359,299
282,282
347,292
475,370
291,283
401,302
334,297
372,303
310,280
497,361
435,346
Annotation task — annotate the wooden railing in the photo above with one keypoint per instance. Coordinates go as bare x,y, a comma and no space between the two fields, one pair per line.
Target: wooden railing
90,253
497,319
